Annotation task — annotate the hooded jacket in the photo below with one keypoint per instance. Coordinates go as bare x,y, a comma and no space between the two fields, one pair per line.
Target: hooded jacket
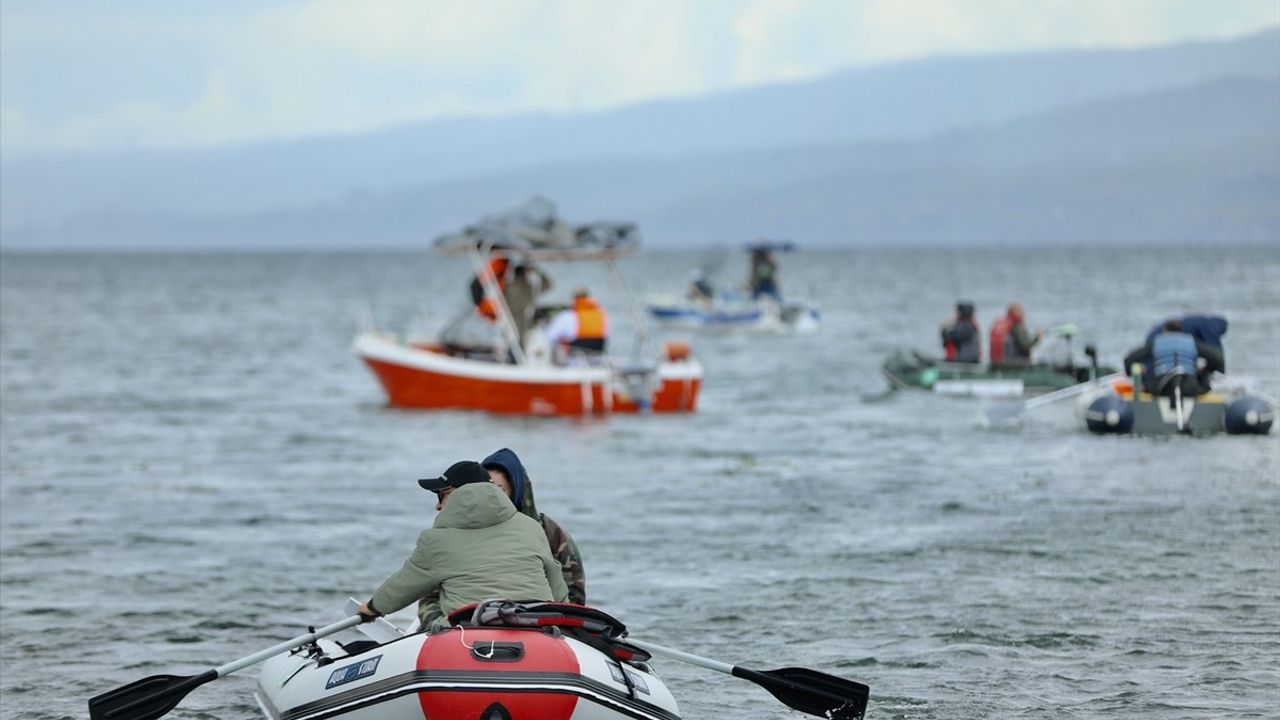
478,548
563,548
1208,329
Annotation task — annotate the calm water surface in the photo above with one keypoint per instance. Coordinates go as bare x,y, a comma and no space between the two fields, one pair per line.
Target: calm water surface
194,466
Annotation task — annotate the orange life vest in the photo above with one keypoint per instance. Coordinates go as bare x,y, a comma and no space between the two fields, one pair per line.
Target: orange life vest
591,319
999,331
497,270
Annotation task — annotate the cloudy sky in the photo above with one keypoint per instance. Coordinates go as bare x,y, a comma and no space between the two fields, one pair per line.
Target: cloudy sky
79,75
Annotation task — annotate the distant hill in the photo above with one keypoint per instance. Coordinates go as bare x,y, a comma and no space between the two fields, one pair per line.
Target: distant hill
1167,144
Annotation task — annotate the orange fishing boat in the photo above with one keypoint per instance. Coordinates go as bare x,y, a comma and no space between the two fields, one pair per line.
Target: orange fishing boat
501,374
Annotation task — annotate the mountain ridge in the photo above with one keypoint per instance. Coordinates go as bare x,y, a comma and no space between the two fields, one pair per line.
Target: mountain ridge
257,191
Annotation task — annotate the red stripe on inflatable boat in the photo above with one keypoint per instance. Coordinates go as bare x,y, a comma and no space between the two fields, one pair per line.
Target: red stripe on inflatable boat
452,651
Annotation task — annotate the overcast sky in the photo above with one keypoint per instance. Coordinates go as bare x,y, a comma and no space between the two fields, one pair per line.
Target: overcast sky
110,74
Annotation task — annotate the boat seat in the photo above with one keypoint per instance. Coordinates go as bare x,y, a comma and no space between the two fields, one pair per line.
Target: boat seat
355,647
586,624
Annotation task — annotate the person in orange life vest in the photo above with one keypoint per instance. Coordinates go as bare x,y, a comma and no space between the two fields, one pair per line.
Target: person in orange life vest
961,339
585,326
1011,343
497,271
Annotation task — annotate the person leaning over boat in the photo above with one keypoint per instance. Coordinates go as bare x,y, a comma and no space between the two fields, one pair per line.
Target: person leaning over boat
961,339
479,547
583,327
1175,357
508,473
1011,342
521,295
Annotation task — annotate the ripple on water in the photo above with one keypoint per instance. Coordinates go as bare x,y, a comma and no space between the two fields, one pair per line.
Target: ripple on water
203,470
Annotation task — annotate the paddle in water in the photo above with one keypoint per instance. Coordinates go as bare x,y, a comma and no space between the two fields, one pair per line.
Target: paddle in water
809,691
153,697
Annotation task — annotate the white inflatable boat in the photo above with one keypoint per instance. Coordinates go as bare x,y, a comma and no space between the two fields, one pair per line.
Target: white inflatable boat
544,661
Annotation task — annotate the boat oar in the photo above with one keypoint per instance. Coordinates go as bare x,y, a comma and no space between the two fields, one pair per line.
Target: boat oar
809,691
153,697
1006,412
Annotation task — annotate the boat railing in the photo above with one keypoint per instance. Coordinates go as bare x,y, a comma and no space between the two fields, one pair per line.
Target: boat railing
479,252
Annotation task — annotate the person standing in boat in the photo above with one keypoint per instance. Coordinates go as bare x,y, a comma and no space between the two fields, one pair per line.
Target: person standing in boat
961,339
479,547
521,295
583,328
1011,342
764,275
1174,357
508,473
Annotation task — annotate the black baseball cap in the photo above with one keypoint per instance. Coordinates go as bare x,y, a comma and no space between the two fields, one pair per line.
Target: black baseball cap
458,474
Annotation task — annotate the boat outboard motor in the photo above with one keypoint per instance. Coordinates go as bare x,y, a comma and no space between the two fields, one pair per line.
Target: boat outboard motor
1248,415
1091,352
1109,413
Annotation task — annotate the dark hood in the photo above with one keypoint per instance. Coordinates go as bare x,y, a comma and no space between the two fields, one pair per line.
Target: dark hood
521,489
1205,328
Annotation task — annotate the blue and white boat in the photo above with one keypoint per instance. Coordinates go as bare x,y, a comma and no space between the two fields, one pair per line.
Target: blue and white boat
735,311
759,308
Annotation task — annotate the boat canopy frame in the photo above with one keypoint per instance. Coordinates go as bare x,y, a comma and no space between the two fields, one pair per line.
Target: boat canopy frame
480,252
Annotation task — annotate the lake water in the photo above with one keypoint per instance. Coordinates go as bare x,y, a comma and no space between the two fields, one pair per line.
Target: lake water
195,466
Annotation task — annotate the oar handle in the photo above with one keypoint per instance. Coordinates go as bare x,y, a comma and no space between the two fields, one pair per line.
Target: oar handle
327,630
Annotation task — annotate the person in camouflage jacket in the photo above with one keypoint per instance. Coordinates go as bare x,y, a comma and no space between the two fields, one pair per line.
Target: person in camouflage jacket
506,471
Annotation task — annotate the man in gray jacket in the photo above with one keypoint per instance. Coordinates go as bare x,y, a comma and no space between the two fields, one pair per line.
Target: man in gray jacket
521,296
479,547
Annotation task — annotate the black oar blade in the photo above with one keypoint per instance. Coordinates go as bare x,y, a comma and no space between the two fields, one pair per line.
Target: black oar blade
812,692
146,699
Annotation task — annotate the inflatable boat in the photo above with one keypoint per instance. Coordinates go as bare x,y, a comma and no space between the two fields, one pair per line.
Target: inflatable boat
543,661
1115,409
498,660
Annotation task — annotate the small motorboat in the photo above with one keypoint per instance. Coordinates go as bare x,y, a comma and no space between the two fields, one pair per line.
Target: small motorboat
500,374
1059,369
913,370
1123,405
1113,409
761,308
733,310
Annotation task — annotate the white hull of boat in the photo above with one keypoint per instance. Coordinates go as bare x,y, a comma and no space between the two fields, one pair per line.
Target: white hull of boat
481,673
763,317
